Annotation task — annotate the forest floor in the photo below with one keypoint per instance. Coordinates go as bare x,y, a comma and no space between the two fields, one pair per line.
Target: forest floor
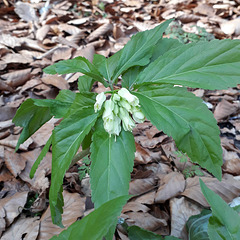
35,34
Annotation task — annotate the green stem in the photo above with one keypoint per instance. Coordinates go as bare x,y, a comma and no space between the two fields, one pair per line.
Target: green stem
79,156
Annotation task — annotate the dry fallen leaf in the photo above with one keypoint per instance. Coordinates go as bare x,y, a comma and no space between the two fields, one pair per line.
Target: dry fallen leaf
227,189
73,209
13,206
56,81
61,53
139,186
172,185
135,207
23,228
181,209
101,31
25,11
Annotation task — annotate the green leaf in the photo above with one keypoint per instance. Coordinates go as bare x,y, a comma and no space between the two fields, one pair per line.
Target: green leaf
129,77
66,96
138,51
197,226
67,137
82,100
31,118
85,83
78,64
96,224
106,66
225,222
208,65
112,162
164,45
137,233
183,116
40,157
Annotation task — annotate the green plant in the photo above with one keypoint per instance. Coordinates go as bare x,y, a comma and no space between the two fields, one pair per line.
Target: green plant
154,72
192,171
223,222
85,168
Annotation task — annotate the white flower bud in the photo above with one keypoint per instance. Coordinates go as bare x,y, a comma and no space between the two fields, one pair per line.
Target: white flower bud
123,103
100,99
128,123
116,98
108,112
137,114
125,94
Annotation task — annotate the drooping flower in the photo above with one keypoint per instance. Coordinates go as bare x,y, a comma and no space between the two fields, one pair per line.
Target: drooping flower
100,99
108,112
128,123
137,115
130,98
123,103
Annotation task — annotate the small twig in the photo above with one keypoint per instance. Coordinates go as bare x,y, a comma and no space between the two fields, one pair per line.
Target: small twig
79,156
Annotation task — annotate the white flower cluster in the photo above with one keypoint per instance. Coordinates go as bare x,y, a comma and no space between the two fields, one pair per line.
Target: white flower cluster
118,109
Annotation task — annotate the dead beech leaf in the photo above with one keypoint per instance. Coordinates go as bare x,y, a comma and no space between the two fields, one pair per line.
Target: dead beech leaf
2,220
227,189
56,81
61,53
23,228
6,124
5,87
135,207
5,175
13,206
69,29
224,109
87,52
141,155
10,41
231,27
232,162
172,184
181,209
42,32
3,65
16,58
139,186
17,78
105,28
145,220
40,181
147,198
25,11
74,206
14,162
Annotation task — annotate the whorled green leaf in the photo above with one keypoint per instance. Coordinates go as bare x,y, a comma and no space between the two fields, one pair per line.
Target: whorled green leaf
197,226
78,64
183,116
31,118
112,161
66,140
85,83
208,65
225,221
96,224
138,51
40,157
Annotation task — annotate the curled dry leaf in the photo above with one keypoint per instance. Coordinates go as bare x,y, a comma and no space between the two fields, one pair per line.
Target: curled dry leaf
5,87
74,206
2,220
87,52
56,81
141,155
61,53
42,32
227,189
172,185
25,11
14,162
232,162
147,198
224,109
13,206
101,31
69,29
145,220
23,228
231,27
11,142
139,186
135,207
181,209
16,58
10,41
6,124
17,78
